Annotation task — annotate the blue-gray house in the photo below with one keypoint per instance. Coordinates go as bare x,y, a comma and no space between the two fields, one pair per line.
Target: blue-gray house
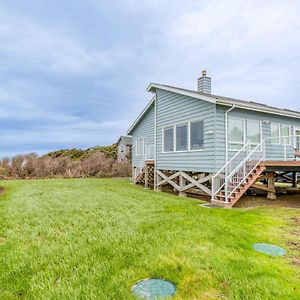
194,140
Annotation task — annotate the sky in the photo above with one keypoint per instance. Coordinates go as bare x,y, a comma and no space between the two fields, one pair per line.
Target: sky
75,73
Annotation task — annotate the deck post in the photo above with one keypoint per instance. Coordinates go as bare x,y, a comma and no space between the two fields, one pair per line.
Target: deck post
295,179
271,185
182,183
157,188
146,175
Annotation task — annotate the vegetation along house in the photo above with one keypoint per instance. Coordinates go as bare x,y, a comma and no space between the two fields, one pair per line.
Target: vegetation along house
198,142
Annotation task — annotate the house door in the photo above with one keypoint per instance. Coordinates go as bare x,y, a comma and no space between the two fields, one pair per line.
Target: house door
297,138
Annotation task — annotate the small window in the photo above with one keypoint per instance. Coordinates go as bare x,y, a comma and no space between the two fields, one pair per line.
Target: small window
181,137
275,133
140,147
235,133
168,139
196,135
285,134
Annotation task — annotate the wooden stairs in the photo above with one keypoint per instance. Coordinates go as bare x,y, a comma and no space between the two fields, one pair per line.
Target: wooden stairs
240,190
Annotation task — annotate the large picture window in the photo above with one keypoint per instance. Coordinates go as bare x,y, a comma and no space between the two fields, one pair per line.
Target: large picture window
285,133
236,137
280,133
168,134
275,133
140,147
253,132
196,135
181,137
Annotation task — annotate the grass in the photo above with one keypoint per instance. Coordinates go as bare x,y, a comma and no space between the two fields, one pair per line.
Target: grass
93,239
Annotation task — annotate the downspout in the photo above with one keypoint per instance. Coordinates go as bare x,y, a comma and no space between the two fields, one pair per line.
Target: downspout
155,109
226,131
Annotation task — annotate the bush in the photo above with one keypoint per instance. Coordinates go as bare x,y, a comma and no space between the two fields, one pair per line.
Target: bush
96,164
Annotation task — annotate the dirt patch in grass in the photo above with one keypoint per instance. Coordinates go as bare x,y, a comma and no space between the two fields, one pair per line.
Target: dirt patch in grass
1,191
287,198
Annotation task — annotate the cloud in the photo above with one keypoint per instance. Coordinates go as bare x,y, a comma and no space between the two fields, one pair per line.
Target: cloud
34,46
76,75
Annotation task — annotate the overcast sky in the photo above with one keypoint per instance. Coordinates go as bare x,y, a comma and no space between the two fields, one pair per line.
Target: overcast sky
74,73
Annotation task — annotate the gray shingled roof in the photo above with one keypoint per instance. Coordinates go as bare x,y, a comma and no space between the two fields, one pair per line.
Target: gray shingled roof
221,100
251,105
127,140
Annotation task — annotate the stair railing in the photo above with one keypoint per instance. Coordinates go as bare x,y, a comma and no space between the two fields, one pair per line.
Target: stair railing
220,178
236,170
244,169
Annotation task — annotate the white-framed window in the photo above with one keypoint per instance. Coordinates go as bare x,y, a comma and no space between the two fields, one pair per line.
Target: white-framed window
181,134
275,133
236,133
285,133
196,135
168,139
140,147
253,132
279,133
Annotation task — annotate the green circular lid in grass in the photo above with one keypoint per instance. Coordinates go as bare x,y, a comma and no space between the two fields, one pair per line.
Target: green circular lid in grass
153,289
210,205
269,249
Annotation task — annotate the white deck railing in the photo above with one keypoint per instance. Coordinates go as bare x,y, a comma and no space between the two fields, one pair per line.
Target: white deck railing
239,167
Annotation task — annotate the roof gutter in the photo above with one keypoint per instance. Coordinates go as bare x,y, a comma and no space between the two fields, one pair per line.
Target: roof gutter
264,110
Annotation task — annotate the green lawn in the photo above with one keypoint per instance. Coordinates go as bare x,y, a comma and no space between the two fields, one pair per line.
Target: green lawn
93,239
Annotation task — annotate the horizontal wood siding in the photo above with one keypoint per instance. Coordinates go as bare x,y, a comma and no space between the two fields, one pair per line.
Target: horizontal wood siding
273,152
172,109
144,130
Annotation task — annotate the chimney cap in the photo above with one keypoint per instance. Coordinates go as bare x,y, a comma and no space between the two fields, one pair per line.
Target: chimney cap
203,73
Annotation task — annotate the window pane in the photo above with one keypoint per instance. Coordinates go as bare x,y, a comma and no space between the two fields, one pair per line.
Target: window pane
181,137
168,139
235,130
253,131
196,135
275,133
233,147
140,147
285,132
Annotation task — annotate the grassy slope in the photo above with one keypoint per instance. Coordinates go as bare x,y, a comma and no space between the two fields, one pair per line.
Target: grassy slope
92,239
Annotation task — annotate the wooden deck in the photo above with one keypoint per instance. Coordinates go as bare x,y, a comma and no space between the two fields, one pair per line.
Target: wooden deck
281,165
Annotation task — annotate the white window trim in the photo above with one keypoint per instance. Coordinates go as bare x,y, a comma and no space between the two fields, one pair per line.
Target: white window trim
279,134
244,135
187,137
260,132
290,131
188,123
163,138
295,128
136,147
189,132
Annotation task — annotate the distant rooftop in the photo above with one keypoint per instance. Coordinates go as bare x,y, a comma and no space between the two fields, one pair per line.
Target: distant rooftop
126,139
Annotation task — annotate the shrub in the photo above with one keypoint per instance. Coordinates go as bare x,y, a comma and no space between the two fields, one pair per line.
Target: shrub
96,164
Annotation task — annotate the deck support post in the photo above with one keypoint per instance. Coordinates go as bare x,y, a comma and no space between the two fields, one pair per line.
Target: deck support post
146,176
182,183
271,185
157,187
295,179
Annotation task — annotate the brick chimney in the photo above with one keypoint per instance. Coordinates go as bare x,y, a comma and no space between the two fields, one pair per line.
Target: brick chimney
204,83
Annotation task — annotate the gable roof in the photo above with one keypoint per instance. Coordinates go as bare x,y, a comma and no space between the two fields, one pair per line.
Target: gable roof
126,139
250,105
215,99
138,119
